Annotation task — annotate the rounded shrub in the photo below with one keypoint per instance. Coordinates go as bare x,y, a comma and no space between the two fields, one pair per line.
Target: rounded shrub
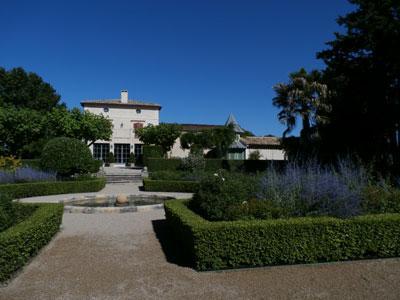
67,156
220,195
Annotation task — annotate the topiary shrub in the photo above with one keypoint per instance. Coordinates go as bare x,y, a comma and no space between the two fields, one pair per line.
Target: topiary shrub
131,159
110,159
67,156
220,194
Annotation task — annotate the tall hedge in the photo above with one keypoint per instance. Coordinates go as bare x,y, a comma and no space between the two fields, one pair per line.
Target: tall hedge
151,151
234,244
32,189
182,186
160,164
23,240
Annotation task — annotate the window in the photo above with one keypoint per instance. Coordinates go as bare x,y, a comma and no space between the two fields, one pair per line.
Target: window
100,151
135,127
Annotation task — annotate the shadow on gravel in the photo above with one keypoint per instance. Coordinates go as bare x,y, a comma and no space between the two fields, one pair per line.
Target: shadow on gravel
172,253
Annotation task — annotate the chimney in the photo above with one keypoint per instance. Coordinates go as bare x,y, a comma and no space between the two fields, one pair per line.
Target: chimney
124,96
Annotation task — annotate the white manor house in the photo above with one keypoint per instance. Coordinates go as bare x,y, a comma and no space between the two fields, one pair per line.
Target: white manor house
129,115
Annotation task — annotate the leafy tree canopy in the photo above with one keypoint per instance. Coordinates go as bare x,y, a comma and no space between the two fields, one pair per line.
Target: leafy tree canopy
21,89
163,135
82,125
363,68
217,139
303,96
19,127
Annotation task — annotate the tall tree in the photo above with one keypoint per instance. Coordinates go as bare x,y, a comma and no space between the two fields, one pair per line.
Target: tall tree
363,67
303,96
18,128
21,89
163,135
82,125
217,139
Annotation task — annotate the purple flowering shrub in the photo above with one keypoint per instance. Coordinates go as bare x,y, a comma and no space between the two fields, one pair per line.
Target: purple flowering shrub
25,174
311,189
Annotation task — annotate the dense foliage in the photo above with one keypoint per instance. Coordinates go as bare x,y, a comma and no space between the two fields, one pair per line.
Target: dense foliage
33,189
363,76
220,245
343,191
30,115
68,156
163,135
216,139
166,185
219,194
305,97
363,69
21,89
7,213
9,163
22,241
250,166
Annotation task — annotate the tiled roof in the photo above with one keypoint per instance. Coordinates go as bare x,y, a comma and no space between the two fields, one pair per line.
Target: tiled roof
198,127
119,103
261,140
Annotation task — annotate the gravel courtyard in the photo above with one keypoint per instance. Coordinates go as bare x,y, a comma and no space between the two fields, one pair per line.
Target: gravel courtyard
119,256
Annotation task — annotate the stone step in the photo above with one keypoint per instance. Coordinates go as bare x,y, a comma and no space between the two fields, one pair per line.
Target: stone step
123,178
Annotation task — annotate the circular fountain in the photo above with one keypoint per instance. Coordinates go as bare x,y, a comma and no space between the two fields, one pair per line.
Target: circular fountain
120,203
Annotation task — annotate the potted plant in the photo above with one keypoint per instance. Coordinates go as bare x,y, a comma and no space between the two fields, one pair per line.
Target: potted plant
131,159
110,159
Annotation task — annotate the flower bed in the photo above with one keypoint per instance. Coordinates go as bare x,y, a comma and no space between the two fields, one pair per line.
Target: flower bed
20,242
26,174
234,244
32,189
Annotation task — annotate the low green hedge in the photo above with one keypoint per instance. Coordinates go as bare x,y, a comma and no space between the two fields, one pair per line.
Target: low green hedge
235,244
32,189
172,164
23,240
170,186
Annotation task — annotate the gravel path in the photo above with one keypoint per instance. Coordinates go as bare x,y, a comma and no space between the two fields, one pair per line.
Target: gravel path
119,256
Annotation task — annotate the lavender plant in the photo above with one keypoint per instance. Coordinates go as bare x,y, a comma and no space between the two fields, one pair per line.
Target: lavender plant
26,174
311,189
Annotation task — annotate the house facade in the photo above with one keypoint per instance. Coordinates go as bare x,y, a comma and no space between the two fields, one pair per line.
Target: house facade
268,147
126,116
129,115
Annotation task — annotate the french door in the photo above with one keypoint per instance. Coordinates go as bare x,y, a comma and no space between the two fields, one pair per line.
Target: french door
121,152
100,151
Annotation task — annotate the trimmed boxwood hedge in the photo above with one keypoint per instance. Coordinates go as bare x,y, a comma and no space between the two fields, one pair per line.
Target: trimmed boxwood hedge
23,240
170,186
172,164
235,244
32,189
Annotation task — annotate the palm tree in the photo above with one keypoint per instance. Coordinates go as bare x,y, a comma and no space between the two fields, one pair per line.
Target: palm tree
305,97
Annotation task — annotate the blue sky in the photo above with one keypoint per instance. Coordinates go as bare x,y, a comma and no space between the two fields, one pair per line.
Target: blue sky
201,60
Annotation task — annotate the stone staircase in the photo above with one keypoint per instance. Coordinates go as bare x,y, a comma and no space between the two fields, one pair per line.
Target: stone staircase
123,178
122,175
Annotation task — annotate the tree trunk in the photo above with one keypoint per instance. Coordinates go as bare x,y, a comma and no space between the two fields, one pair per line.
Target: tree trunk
305,132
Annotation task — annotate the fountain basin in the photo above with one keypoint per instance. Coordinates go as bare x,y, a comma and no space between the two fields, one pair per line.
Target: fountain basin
109,204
